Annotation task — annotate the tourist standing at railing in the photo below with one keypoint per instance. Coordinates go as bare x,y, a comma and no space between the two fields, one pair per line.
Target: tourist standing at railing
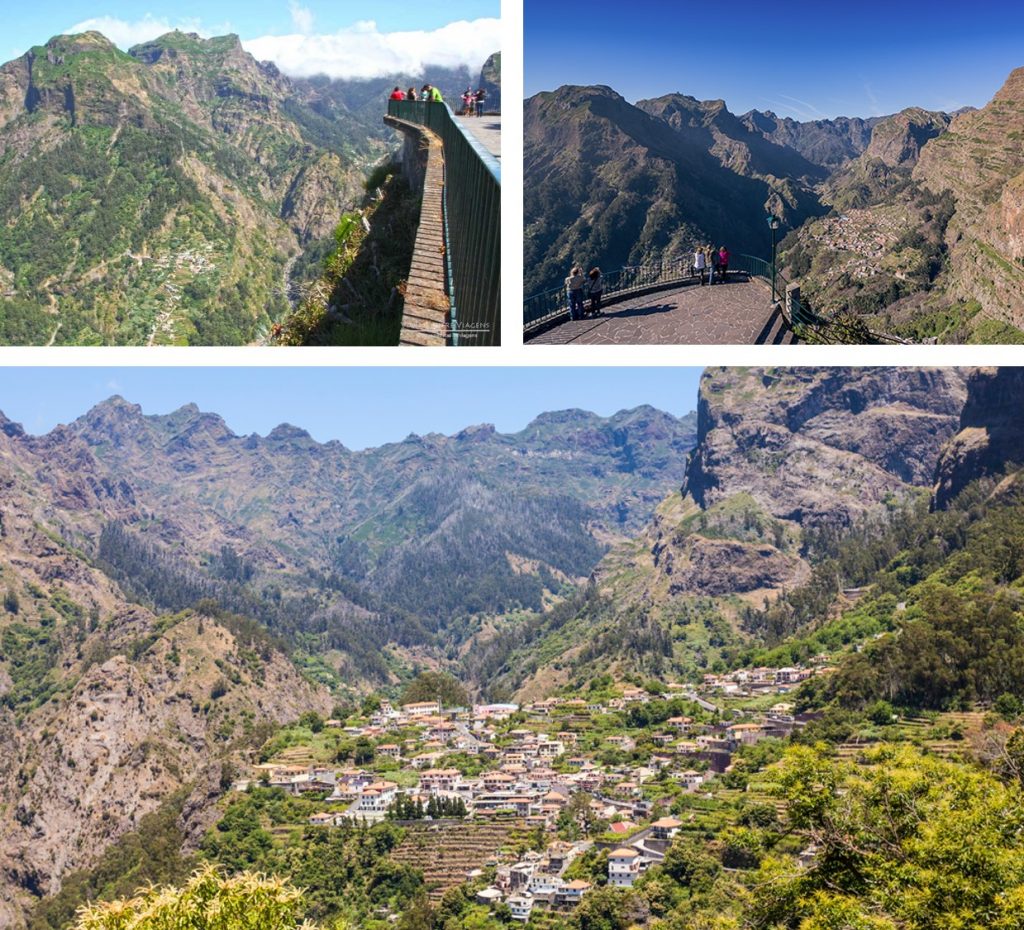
481,96
435,95
723,262
410,94
397,94
575,285
713,264
425,92
700,264
596,290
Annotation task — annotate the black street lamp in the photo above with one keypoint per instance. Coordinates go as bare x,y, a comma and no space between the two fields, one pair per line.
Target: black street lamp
773,224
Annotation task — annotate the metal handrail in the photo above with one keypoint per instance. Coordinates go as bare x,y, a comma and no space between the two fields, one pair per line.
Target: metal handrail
472,204
549,306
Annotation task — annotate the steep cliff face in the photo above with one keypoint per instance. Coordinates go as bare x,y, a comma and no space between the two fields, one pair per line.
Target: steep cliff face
819,445
490,81
780,451
898,140
981,160
991,435
106,708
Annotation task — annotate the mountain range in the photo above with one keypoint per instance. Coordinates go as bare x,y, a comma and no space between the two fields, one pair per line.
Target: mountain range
173,591
909,220
173,194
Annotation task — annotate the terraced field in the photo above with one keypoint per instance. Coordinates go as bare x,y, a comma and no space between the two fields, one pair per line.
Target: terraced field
447,851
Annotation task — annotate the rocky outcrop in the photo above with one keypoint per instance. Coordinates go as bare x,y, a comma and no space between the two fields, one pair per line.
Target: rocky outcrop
991,436
718,567
819,446
897,140
781,451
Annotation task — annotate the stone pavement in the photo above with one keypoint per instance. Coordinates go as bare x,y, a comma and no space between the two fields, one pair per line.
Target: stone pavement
737,313
487,129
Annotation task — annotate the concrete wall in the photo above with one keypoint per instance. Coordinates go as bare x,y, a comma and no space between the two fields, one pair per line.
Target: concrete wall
425,318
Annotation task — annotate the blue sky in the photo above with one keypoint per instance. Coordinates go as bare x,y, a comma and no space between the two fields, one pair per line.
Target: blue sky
324,34
801,59
361,407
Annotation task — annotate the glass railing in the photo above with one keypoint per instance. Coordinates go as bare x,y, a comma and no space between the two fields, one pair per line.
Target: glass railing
472,223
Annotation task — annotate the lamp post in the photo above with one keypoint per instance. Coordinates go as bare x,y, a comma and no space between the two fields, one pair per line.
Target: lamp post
773,224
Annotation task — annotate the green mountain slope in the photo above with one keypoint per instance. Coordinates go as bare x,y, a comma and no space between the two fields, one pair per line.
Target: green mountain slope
157,197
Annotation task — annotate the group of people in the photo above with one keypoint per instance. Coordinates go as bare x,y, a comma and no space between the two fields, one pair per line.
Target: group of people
473,102
713,261
428,92
579,287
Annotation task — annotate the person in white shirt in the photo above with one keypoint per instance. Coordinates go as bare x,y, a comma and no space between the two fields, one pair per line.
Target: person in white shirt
699,264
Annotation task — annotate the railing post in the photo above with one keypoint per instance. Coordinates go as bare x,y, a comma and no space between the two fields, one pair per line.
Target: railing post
792,304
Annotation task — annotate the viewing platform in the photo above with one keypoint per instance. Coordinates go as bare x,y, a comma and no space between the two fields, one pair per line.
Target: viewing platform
737,313
665,304
485,129
452,293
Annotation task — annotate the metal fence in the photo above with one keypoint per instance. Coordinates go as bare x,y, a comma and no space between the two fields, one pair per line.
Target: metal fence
550,305
472,210
810,326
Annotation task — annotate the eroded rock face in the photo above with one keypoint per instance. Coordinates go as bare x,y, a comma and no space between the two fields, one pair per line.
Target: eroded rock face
981,160
820,445
716,567
780,451
898,140
107,709
991,432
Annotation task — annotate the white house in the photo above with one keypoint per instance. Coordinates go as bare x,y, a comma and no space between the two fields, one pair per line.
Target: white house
623,867
521,905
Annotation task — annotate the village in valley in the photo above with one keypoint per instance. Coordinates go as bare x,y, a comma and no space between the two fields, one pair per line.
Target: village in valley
536,803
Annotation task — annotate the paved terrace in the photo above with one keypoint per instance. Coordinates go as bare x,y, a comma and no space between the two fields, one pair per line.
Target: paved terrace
485,129
736,313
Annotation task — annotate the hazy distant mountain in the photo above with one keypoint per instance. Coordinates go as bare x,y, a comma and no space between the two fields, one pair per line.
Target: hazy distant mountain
828,142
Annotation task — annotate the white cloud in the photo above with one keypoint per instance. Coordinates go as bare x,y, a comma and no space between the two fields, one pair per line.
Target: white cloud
302,17
125,34
362,51
357,51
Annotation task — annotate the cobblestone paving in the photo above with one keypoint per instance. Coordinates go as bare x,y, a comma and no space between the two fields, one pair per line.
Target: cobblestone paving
731,314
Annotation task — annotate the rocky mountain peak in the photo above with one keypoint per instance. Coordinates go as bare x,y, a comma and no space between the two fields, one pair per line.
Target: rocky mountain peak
285,432
91,41
480,433
9,428
898,140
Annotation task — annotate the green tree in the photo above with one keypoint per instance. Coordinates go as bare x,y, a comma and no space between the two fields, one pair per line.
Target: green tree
207,902
903,840
435,686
